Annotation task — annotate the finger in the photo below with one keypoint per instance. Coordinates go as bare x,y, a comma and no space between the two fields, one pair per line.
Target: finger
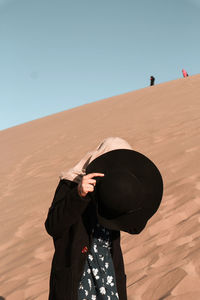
91,181
88,188
91,175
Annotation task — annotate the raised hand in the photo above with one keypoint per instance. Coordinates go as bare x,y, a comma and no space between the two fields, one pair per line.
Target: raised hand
87,183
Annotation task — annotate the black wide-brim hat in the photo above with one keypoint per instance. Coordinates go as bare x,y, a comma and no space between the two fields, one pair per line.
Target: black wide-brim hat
130,192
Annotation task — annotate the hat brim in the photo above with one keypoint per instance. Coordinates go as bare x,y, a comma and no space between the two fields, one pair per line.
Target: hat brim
132,223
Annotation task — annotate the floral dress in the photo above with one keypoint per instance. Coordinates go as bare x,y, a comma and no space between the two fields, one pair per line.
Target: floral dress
98,279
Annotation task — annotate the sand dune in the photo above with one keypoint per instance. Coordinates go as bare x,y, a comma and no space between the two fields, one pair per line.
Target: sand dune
162,122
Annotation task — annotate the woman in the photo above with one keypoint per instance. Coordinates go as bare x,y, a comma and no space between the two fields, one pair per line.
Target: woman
88,262
111,189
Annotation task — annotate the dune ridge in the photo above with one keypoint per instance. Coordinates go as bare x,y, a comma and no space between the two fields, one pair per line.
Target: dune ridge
163,123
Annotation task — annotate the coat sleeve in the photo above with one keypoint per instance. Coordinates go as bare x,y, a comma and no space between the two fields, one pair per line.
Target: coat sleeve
66,208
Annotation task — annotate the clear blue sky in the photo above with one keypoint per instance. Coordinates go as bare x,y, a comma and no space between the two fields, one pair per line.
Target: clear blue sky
58,54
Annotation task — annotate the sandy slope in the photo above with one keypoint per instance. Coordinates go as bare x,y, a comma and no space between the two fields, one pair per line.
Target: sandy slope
162,122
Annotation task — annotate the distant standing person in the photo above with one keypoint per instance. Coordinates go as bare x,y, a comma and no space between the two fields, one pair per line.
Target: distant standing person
185,74
152,80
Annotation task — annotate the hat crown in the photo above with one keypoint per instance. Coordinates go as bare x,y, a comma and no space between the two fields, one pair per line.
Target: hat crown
119,192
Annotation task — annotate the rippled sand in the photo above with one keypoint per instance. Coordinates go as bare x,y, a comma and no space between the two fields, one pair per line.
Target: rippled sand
162,122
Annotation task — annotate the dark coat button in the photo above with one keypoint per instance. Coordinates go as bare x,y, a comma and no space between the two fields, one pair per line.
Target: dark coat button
85,249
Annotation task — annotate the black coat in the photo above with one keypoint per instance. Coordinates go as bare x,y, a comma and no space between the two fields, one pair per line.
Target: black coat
70,221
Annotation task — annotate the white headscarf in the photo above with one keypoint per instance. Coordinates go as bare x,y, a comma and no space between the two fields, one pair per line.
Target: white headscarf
78,171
